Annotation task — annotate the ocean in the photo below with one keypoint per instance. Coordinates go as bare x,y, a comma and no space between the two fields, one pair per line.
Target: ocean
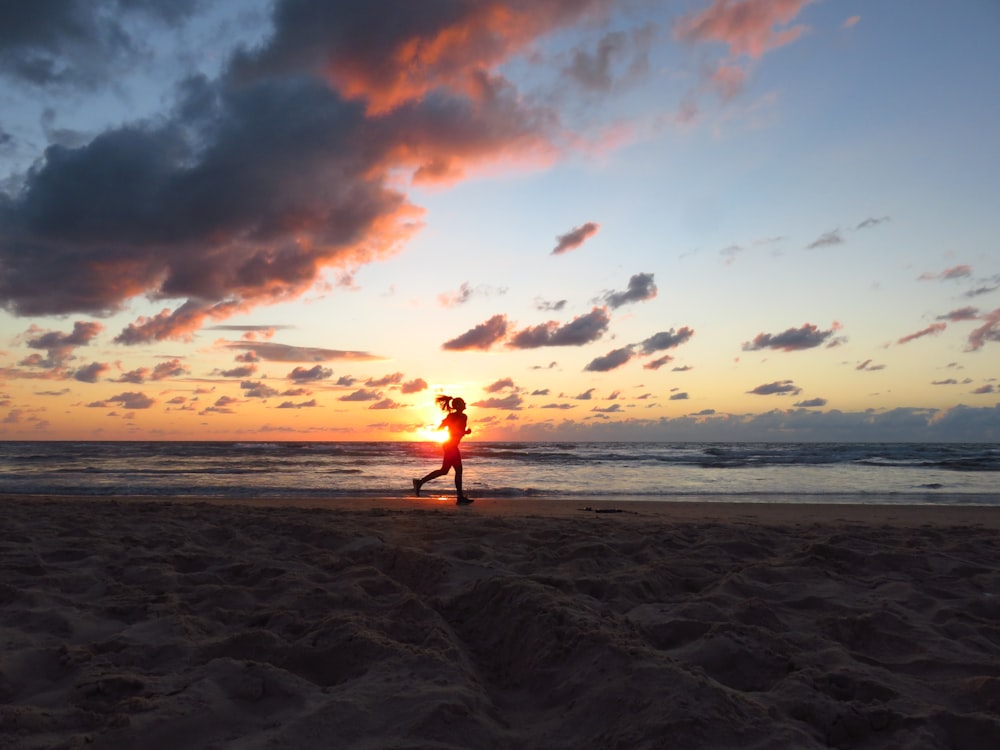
740,472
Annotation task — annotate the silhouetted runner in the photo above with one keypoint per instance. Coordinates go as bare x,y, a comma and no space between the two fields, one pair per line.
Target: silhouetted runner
455,424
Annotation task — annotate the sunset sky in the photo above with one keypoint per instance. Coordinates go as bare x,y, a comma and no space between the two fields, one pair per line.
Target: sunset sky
591,219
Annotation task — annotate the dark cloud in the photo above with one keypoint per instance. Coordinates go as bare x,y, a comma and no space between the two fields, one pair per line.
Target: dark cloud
482,337
511,402
778,388
253,183
272,352
257,389
243,371
610,361
584,329
59,346
131,400
362,394
575,237
91,373
794,339
394,379
656,364
170,369
306,374
546,306
617,58
499,385
811,403
640,288
681,396
666,340
961,314
77,42
386,403
302,405
587,395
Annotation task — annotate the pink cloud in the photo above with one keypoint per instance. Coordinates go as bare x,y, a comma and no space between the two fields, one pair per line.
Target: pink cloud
955,272
748,27
575,237
989,331
932,330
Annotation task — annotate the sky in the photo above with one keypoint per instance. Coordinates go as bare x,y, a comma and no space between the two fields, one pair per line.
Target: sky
591,219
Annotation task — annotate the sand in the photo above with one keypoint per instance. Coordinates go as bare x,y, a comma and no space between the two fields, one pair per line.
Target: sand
399,623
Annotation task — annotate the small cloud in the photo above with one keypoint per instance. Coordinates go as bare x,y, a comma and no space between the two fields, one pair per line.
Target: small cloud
989,331
252,389
386,403
869,223
362,394
829,239
666,340
558,406
610,361
961,314
482,337
983,390
613,409
587,395
948,274
512,402
575,237
811,403
414,386
91,373
583,329
307,374
499,385
656,364
546,306
302,405
851,22
243,371
932,330
131,400
681,396
640,288
394,379
793,339
777,388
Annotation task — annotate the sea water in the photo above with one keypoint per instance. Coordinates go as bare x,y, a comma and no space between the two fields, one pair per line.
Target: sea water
741,472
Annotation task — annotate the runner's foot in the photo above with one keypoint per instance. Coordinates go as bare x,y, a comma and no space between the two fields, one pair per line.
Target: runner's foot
463,500
416,487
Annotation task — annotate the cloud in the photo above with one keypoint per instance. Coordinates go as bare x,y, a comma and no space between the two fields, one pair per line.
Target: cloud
777,388
932,330
961,314
91,373
681,396
511,402
983,390
575,237
386,403
273,352
79,44
545,306
257,389
362,394
794,339
666,340
872,222
869,367
811,403
748,27
59,346
851,22
131,400
610,361
656,364
414,386
301,405
249,186
243,371
583,329
989,331
948,274
482,337
829,239
640,288
499,385
595,71
587,395
303,374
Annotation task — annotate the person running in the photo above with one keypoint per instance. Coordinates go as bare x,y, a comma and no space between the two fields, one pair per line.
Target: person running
455,422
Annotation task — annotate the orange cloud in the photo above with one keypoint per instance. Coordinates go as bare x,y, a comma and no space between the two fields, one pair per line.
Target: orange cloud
932,330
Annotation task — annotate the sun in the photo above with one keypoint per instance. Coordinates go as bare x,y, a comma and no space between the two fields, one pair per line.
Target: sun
432,434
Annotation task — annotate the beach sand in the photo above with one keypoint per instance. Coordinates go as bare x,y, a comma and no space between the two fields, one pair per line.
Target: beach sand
410,623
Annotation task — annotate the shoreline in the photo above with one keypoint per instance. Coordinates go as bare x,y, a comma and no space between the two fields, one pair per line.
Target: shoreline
722,509
415,623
